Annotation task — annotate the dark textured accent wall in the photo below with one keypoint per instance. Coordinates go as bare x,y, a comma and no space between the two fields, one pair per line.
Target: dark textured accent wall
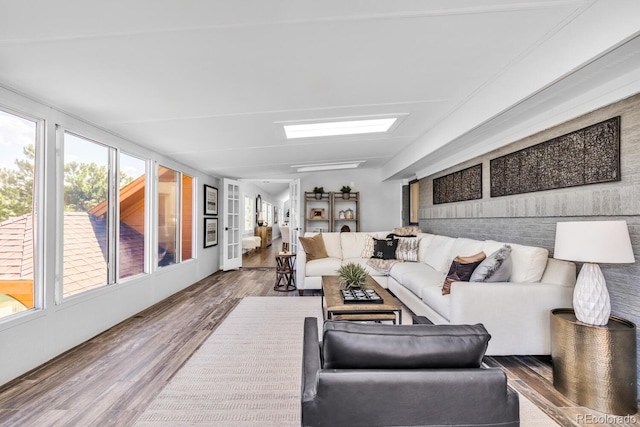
531,218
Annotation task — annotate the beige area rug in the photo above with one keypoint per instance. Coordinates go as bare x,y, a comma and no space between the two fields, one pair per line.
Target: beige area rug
248,372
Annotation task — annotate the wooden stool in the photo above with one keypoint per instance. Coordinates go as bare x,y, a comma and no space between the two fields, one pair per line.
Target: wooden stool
285,273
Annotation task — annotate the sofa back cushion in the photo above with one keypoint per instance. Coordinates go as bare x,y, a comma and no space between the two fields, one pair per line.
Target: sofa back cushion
436,254
424,240
350,345
463,247
528,262
352,244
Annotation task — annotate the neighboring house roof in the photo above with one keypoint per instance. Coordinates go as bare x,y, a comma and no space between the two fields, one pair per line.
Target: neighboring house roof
85,246
16,248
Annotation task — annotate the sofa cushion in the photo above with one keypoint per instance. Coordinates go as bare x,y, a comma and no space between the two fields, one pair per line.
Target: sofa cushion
407,249
351,345
323,267
363,262
424,242
385,248
314,247
461,270
399,271
333,244
529,262
416,281
495,268
437,253
353,244
465,247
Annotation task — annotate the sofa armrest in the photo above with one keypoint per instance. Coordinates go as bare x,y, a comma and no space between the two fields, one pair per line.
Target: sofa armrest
412,397
311,362
525,305
301,266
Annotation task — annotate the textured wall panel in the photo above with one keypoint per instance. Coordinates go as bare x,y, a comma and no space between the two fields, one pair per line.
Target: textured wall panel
587,156
458,186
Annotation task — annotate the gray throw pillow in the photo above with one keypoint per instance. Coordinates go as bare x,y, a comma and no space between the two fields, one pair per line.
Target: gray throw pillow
495,268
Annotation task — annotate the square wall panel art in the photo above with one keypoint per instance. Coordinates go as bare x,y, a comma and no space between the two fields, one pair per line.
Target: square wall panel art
458,186
587,156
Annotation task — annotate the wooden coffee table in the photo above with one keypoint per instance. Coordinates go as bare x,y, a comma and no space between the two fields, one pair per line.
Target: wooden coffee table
338,310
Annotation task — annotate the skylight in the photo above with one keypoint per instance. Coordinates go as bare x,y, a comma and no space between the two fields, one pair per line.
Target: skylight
347,127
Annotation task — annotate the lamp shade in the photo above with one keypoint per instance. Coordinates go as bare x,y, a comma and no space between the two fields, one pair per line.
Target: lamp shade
594,241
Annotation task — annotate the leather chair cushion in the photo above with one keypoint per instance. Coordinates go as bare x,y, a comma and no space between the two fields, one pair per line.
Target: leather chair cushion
349,345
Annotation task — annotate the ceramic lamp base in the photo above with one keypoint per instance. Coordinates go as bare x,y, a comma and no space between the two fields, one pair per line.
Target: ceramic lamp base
591,301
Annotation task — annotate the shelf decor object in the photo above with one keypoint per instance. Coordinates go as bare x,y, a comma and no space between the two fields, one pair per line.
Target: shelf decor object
593,242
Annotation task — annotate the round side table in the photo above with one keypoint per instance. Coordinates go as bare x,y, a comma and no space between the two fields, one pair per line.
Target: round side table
285,272
595,366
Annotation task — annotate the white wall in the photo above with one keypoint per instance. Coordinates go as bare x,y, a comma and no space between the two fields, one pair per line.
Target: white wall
33,337
380,202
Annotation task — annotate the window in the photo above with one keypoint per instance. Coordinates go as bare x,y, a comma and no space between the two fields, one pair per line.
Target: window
175,216
132,205
187,217
249,212
414,201
18,141
86,217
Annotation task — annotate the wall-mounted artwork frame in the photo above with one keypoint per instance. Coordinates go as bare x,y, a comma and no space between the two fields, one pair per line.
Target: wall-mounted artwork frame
590,155
210,200
459,186
210,232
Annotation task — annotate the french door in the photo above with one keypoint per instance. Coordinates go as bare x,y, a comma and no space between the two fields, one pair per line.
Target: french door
231,223
294,211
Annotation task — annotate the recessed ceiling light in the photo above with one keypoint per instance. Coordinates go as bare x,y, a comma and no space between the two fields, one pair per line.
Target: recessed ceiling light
334,128
328,166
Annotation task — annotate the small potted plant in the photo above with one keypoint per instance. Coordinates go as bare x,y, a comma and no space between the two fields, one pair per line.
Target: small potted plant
345,192
352,275
319,191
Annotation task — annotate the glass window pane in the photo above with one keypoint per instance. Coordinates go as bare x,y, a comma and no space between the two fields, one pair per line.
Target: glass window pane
132,216
167,216
187,217
17,254
86,190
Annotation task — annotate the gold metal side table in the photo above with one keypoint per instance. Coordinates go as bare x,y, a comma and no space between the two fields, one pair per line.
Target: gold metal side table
595,366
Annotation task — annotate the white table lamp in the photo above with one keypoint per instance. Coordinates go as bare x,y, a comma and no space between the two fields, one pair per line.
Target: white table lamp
593,242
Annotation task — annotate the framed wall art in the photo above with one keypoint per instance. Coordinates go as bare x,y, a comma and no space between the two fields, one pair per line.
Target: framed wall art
210,232
210,200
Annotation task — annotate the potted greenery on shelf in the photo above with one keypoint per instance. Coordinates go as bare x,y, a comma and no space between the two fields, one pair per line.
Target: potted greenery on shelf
319,191
345,192
352,275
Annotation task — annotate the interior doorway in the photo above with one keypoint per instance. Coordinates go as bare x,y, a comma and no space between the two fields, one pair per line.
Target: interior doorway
267,204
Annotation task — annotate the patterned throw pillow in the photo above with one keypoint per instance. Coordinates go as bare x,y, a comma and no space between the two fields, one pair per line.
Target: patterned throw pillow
496,268
406,231
367,251
407,249
461,270
385,248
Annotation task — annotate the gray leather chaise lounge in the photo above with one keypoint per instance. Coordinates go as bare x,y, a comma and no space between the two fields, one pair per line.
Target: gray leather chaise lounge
410,375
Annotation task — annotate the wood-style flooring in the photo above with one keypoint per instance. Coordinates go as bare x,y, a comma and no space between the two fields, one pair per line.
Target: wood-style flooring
110,379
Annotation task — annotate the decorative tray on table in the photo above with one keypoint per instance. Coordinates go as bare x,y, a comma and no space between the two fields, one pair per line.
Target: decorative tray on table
360,296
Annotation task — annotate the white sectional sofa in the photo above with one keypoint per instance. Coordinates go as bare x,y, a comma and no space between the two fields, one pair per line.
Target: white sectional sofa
516,313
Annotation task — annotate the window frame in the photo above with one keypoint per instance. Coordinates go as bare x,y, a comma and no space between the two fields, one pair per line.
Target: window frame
38,201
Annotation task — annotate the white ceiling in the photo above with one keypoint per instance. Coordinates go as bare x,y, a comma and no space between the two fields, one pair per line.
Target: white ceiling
206,82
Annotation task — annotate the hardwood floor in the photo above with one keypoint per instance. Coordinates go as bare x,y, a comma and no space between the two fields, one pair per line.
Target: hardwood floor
112,378
262,258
